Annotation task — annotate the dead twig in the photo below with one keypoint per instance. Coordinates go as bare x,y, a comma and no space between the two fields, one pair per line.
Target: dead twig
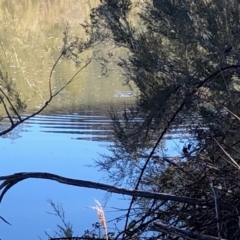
185,234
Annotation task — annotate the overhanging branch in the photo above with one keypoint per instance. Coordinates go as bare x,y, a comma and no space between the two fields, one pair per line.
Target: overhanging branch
10,180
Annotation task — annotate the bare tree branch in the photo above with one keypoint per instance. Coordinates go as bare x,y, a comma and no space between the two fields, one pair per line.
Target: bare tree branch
9,101
215,194
21,120
175,114
7,112
158,226
232,161
72,78
53,67
10,180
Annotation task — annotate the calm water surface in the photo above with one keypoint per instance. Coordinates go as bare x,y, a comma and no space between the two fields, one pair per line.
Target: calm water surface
64,140
60,144
63,144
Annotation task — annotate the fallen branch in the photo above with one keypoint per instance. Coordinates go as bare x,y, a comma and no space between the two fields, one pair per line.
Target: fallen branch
10,180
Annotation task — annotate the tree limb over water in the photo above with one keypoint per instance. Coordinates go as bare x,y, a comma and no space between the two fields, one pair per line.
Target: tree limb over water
184,60
15,119
185,63
10,180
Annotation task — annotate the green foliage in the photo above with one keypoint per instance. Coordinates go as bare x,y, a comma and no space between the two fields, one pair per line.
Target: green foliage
183,57
9,94
66,229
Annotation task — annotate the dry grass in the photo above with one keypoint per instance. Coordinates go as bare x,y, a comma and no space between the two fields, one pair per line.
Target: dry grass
101,217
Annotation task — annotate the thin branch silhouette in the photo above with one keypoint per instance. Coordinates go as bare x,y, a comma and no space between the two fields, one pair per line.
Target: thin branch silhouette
51,96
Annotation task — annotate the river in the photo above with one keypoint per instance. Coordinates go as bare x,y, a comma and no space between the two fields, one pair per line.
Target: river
73,130
61,144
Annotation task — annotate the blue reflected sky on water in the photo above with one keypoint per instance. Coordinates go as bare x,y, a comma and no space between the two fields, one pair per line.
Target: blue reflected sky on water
42,145
63,145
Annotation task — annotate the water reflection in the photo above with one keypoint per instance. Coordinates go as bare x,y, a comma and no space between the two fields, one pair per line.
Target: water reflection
63,144
36,31
58,143
90,127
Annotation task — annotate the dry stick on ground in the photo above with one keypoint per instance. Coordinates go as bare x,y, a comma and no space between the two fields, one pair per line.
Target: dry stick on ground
175,114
